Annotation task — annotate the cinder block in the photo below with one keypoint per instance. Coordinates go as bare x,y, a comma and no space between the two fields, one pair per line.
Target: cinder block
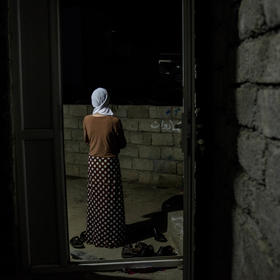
180,168
160,112
169,126
65,110
78,110
142,164
171,180
149,152
83,147
70,122
148,177
138,112
67,134
130,151
76,158
83,171
129,175
160,139
149,125
77,134
69,158
165,166
177,139
119,110
131,125
72,170
177,113
125,162
71,146
80,123
172,153
141,138
89,109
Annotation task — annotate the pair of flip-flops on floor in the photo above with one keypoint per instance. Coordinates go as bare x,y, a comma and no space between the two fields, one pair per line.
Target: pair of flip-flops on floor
78,241
142,249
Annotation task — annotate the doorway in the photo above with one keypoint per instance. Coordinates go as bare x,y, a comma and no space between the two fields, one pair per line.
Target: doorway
135,52
37,70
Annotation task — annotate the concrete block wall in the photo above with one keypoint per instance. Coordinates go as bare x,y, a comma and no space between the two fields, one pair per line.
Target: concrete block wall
243,84
153,154
257,187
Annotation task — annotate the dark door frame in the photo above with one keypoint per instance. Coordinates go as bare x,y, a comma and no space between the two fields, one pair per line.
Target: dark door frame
54,135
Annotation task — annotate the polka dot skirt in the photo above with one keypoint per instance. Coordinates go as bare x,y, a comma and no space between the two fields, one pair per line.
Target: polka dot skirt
105,206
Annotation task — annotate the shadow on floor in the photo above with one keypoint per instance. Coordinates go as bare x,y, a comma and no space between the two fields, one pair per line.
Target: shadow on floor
156,220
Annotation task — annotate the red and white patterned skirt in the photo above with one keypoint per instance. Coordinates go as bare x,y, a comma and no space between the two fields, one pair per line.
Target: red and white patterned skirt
105,206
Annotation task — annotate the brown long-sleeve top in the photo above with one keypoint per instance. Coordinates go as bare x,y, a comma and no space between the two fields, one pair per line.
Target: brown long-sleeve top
104,135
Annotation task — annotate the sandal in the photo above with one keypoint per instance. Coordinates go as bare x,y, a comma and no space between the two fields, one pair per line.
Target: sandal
128,252
76,242
166,251
83,236
147,251
159,236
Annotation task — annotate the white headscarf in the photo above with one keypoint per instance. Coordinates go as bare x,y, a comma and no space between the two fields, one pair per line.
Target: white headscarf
100,102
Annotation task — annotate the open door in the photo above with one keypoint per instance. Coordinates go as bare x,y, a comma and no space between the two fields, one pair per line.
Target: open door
39,139
38,127
188,135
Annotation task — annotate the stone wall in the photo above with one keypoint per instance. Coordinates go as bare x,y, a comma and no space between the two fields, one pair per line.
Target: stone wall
241,67
152,155
257,188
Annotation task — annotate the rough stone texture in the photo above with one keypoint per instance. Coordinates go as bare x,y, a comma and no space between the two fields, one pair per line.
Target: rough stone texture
269,117
250,252
251,18
246,109
144,159
251,148
267,215
265,69
272,178
272,12
245,192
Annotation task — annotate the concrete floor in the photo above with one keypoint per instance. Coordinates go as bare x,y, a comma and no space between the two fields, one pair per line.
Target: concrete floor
142,207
